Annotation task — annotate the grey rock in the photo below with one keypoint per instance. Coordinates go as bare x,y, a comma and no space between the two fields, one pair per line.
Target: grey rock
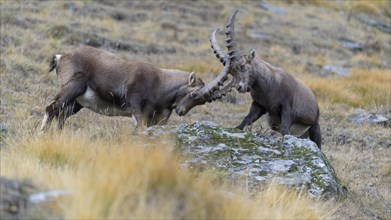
22,200
350,45
371,118
258,35
3,129
288,160
384,27
13,200
42,197
272,8
330,69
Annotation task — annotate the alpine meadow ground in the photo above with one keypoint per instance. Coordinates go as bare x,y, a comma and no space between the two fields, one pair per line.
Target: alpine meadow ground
111,173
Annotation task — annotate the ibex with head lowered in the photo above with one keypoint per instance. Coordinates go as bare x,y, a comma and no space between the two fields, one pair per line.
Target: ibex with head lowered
99,80
291,106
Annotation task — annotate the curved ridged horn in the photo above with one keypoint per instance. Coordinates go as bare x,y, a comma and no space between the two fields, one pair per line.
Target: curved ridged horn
230,41
216,48
208,89
224,90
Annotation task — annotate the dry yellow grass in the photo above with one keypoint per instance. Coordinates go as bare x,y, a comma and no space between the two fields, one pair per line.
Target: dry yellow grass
375,8
370,7
363,88
128,177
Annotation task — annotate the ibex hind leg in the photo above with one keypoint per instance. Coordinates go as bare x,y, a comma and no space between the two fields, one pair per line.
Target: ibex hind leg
69,110
62,100
305,135
315,135
48,118
275,126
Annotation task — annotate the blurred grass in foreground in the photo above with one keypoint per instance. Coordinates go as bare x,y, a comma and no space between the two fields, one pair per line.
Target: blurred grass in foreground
130,177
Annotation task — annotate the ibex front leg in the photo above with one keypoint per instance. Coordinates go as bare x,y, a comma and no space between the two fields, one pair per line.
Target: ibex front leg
140,112
160,117
64,104
286,120
256,112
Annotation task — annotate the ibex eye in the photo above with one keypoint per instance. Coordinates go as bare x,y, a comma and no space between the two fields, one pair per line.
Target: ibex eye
193,95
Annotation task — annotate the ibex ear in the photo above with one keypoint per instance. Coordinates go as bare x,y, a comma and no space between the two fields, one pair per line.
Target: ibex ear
251,56
192,78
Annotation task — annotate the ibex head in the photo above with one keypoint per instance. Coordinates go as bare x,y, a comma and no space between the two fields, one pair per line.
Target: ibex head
240,65
181,105
205,93
241,70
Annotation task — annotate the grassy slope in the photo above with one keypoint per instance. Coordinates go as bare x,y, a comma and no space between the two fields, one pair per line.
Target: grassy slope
31,32
114,179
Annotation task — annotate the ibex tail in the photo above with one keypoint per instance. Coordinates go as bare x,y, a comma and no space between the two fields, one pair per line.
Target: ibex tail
54,62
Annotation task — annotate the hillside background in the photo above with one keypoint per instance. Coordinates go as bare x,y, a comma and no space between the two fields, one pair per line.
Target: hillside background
341,49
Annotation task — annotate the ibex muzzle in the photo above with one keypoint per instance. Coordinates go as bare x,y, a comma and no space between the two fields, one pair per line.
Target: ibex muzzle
291,106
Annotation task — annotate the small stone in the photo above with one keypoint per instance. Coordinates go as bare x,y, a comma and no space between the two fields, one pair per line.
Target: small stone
330,69
3,129
371,118
350,45
272,8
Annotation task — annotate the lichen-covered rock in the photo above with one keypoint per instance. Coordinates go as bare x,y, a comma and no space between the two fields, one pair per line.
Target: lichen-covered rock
288,160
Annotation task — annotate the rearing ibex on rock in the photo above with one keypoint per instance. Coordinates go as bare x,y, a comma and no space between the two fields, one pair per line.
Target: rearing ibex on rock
291,106
109,85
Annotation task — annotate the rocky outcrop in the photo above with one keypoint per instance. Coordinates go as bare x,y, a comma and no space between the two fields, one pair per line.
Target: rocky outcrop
259,159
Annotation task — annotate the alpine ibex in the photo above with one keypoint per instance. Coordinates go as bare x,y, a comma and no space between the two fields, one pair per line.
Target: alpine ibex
291,106
106,84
